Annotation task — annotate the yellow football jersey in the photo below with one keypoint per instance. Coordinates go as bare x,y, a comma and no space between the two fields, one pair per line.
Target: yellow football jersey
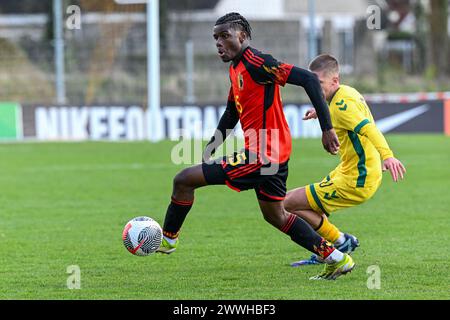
362,143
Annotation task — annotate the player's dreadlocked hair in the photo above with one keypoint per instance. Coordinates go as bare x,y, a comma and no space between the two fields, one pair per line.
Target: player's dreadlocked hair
236,20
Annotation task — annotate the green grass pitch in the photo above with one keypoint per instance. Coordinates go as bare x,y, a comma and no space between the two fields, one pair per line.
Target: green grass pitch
66,204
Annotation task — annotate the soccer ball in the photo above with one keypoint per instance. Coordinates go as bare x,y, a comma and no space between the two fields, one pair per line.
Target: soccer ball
142,236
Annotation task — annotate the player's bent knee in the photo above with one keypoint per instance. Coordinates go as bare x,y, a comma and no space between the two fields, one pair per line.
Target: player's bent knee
296,200
291,202
189,179
181,180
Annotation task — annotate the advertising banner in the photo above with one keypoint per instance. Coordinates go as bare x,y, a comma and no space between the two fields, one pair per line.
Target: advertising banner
10,121
132,122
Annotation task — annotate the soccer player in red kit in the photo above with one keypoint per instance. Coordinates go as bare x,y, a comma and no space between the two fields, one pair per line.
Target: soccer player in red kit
255,101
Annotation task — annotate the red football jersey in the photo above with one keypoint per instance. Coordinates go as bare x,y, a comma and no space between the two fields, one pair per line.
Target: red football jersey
255,81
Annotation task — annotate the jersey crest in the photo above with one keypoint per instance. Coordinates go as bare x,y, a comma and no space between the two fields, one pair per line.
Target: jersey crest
240,81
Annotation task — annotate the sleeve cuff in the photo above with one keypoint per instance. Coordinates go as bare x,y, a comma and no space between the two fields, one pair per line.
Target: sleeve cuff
388,155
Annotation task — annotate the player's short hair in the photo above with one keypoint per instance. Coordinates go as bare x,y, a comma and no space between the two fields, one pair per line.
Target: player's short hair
236,21
325,62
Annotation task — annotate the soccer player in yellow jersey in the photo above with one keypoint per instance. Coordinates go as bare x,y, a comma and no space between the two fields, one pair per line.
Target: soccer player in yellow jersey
364,153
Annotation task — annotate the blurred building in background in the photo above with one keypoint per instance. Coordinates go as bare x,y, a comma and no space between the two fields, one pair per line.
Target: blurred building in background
105,60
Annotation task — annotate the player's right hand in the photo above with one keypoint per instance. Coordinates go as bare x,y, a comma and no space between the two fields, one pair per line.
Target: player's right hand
310,114
330,141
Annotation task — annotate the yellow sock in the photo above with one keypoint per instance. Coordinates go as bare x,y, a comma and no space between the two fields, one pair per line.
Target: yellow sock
328,230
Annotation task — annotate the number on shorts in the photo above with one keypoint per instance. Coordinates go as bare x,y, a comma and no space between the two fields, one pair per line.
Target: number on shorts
240,157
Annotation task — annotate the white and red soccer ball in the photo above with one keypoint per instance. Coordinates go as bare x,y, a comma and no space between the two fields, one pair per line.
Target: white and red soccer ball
142,236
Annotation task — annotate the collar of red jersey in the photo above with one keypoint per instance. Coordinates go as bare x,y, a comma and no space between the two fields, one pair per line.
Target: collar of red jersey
236,62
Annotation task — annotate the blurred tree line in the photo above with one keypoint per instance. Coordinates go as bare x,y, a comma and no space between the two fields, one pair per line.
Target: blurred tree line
438,36
430,71
46,7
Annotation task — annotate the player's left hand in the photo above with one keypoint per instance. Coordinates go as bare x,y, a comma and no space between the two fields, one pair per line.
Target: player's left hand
330,141
310,114
395,167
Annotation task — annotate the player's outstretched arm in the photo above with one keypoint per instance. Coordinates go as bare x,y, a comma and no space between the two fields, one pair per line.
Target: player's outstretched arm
395,167
311,84
227,122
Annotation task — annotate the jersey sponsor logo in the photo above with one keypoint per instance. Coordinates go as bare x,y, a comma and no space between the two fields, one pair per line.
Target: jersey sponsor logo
340,103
